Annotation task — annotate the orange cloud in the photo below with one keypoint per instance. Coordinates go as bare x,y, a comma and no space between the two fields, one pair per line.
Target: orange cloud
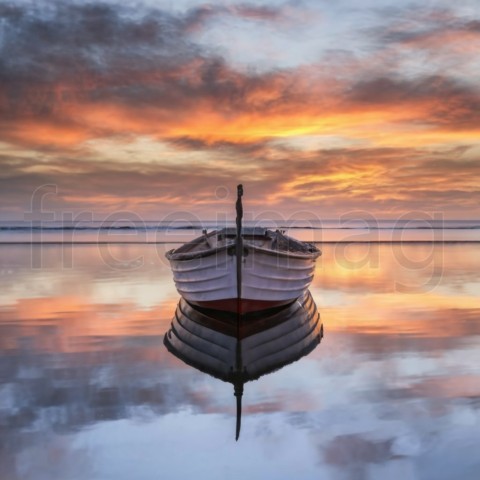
157,81
143,83
263,113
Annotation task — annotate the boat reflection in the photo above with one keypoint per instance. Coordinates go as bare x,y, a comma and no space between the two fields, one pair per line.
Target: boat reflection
240,348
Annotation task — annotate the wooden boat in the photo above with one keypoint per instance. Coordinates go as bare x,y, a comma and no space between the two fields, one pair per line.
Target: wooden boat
243,270
238,349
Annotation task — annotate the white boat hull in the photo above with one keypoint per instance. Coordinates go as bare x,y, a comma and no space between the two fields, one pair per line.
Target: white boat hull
267,279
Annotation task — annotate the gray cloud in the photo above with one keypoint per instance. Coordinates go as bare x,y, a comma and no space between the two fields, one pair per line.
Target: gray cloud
78,48
459,106
434,26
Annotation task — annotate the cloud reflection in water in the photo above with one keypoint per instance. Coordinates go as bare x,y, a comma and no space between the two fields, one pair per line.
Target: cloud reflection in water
88,390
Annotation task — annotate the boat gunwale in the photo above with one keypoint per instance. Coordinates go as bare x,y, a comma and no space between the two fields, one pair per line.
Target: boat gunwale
175,255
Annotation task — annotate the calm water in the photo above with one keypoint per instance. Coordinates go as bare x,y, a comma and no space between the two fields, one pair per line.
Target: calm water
182,227
88,391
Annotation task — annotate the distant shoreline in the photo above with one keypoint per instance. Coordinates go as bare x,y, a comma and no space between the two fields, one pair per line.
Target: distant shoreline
333,242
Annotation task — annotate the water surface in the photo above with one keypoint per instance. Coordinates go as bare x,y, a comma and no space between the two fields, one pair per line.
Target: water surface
87,389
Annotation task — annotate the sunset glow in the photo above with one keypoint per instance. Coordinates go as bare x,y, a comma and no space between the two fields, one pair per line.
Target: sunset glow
148,108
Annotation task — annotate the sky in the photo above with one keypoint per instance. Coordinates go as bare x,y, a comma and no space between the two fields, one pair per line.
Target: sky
317,107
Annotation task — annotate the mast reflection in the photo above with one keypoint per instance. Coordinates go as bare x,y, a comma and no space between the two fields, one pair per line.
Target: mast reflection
240,348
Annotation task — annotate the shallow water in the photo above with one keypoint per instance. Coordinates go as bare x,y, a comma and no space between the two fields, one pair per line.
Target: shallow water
87,389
